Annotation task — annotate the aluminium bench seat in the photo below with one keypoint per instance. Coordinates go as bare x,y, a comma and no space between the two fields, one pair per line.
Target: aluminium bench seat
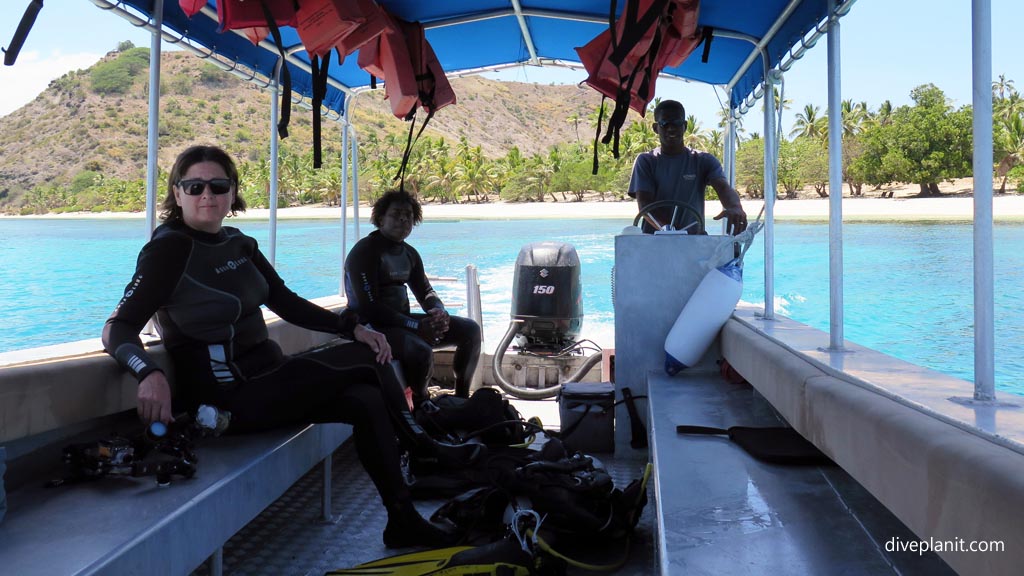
124,525
120,525
720,511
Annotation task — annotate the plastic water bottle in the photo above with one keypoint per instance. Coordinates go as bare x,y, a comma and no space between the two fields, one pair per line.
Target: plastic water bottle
212,420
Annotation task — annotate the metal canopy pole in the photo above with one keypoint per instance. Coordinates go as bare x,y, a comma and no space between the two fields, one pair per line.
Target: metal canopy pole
769,191
153,130
531,47
344,197
835,183
730,150
274,113
354,143
984,327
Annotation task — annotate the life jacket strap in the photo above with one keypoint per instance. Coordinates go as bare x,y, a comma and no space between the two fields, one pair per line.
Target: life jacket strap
27,20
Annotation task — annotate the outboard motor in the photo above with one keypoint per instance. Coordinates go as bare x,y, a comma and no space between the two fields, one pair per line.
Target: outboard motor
547,298
547,312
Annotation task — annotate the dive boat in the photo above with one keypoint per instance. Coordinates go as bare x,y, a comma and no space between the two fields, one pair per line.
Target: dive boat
923,480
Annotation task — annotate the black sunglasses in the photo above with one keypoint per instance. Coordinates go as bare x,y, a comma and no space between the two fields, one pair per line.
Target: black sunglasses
678,123
196,186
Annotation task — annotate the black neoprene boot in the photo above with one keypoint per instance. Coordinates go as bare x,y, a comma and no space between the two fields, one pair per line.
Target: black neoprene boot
425,446
414,438
407,528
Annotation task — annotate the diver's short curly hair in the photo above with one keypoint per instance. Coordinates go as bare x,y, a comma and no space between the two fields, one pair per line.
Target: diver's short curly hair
380,207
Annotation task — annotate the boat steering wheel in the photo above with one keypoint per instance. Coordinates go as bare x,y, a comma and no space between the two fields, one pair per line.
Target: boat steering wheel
646,214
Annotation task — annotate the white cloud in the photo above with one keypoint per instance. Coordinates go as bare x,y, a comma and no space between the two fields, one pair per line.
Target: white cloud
33,72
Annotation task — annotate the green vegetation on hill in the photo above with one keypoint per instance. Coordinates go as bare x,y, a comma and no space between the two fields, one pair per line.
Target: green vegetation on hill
81,145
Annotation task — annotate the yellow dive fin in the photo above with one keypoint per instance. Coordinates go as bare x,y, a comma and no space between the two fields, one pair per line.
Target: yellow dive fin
502,558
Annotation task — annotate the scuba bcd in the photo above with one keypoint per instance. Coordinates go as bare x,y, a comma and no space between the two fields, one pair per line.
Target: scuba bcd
160,450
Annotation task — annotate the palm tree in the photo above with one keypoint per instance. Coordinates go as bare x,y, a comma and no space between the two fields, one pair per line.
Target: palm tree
716,141
506,167
599,114
574,119
853,117
473,175
809,124
1003,86
1009,148
639,137
539,170
780,104
440,179
723,122
884,115
1012,105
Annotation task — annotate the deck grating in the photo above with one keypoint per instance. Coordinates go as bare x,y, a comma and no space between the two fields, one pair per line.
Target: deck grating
289,537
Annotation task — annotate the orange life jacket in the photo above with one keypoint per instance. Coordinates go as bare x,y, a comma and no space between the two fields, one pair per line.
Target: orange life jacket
255,34
412,75
323,23
375,21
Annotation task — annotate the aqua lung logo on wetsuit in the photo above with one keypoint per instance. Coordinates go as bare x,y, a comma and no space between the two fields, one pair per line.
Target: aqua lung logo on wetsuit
366,287
231,265
129,291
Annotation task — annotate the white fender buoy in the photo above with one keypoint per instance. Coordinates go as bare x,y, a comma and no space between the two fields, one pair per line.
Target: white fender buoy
703,316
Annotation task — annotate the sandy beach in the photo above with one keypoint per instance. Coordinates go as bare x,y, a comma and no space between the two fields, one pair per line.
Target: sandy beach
955,205
1005,208
948,209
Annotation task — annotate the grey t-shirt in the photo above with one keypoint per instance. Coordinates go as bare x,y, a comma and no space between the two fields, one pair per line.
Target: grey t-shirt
681,177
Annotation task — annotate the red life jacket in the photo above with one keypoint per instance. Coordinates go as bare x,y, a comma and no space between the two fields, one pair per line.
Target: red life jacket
235,14
254,15
650,35
667,26
191,7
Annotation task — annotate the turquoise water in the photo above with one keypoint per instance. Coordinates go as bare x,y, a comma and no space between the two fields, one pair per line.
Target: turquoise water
908,287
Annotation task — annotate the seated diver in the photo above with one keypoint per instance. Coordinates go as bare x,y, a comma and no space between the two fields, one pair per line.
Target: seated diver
206,282
377,271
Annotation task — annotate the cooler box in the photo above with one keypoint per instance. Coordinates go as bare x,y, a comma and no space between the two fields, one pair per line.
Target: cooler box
587,413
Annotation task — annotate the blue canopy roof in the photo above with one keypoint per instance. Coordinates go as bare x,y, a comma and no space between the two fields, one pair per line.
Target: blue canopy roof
477,35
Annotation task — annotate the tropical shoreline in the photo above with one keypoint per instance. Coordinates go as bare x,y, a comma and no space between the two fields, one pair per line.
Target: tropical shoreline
950,208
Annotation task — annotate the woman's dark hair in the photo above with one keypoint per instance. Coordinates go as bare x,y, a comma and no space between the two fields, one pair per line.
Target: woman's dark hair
380,207
169,209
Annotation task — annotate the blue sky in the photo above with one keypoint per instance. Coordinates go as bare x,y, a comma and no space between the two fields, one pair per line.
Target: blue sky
889,47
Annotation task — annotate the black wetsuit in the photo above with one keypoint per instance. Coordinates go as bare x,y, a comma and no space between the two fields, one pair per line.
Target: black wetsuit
206,290
377,272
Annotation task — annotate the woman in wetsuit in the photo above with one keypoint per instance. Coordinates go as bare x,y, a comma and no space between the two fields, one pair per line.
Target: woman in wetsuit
206,282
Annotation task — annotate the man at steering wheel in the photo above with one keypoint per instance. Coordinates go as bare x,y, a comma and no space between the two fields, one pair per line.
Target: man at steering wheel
677,173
